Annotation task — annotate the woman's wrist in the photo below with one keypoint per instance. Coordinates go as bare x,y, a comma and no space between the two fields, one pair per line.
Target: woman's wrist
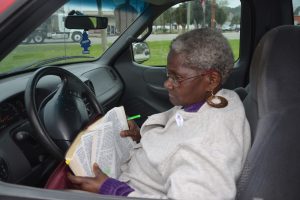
114,187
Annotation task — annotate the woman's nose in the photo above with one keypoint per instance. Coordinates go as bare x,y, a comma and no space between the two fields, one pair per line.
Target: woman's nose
167,84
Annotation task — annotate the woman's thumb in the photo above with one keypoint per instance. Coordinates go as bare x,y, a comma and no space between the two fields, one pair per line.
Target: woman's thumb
96,169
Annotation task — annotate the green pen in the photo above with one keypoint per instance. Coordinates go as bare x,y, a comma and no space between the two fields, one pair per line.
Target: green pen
134,117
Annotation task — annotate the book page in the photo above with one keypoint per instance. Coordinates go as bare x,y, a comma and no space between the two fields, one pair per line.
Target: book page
123,145
110,144
87,141
79,163
103,149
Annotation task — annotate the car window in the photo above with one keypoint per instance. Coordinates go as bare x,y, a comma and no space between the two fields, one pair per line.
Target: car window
223,15
296,8
52,43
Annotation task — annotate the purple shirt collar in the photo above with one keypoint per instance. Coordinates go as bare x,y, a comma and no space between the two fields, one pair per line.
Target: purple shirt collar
194,107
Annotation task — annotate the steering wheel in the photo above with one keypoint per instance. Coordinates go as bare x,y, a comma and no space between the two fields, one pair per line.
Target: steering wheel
63,113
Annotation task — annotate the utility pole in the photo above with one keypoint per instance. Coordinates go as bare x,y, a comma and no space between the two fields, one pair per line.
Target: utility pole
213,14
202,2
204,23
188,15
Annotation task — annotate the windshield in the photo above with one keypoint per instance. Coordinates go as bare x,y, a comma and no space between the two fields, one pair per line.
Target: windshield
51,43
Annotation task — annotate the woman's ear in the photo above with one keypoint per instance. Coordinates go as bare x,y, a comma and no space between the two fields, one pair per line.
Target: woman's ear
215,80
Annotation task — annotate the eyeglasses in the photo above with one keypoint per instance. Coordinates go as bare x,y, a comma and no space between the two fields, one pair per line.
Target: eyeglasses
177,81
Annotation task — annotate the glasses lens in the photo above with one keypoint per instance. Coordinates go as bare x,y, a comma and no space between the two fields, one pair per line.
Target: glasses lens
173,80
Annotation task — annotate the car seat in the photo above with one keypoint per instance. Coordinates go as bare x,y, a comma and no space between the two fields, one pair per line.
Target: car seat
272,168
242,92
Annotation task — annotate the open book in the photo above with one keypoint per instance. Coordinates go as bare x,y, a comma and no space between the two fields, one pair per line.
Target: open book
101,143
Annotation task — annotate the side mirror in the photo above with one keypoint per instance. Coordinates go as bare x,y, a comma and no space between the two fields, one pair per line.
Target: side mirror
85,22
141,52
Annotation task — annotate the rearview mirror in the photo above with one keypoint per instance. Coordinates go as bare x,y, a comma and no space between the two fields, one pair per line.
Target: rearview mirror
85,22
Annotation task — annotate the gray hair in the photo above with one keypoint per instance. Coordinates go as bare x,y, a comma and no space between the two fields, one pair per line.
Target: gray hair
205,49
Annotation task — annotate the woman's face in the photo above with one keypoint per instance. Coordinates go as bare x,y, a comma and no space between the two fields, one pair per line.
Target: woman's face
189,91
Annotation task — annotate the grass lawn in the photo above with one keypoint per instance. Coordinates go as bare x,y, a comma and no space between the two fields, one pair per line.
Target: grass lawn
27,54
159,50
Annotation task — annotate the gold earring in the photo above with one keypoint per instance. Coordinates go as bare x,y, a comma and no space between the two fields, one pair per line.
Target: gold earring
216,101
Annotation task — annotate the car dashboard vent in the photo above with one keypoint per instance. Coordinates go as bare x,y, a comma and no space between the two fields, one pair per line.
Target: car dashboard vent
87,103
90,85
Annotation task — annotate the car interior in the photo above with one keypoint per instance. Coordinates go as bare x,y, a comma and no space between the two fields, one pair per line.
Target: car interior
45,103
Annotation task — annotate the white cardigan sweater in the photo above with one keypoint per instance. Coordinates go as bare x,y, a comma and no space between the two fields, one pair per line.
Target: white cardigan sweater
184,155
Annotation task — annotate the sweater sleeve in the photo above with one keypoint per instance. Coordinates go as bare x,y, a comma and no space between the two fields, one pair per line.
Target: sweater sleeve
114,187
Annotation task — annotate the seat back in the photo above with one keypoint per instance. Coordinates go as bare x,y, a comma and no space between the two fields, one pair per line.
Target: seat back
272,168
242,92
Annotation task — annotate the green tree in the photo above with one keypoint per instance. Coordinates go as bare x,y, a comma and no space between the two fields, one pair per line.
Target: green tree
221,15
235,20
165,19
168,18
180,15
208,5
158,22
196,13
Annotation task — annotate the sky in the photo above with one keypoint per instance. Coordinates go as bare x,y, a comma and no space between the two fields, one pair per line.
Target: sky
234,3
296,3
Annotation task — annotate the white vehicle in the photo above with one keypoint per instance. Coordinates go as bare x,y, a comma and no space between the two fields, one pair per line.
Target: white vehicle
54,28
57,30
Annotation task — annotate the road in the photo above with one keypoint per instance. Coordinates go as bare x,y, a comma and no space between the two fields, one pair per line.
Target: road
158,37
161,37
152,37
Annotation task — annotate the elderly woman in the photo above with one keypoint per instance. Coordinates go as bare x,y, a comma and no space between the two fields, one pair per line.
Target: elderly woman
195,150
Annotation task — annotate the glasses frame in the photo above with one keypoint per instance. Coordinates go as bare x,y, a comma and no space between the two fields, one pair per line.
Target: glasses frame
176,82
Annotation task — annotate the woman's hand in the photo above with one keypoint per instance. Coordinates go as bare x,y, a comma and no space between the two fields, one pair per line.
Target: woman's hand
133,132
90,184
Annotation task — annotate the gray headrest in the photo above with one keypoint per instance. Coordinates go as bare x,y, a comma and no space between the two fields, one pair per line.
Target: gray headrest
275,70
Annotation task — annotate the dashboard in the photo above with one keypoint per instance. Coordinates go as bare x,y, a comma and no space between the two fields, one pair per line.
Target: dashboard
22,159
